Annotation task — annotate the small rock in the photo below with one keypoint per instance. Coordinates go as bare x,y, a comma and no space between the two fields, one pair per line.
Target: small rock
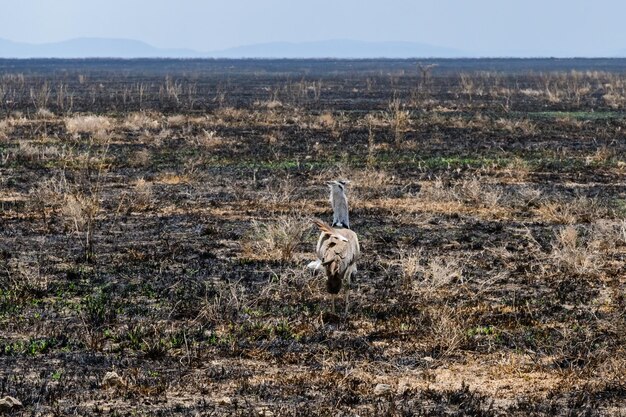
264,412
9,403
382,389
224,401
112,379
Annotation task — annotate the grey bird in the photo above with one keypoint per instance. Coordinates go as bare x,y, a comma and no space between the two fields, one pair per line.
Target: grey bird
337,247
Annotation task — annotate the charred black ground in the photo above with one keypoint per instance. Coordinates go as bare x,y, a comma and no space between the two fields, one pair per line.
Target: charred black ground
155,222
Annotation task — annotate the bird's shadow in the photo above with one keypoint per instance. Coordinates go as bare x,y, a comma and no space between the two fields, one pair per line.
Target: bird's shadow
328,317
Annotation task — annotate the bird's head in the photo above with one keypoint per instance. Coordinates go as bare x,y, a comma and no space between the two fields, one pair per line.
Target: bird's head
338,184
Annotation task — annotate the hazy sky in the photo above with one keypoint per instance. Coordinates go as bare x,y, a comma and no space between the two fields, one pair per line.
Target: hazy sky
552,27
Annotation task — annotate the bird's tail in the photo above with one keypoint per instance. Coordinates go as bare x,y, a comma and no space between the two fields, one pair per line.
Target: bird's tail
325,228
329,258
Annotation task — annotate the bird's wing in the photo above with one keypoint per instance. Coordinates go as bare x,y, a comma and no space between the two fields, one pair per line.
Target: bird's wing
338,249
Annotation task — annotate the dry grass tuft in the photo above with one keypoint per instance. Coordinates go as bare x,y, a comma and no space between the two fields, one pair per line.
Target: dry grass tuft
601,156
43,113
579,210
430,273
79,212
140,158
447,328
524,126
5,129
326,120
280,191
25,276
140,120
475,192
399,120
277,240
410,265
614,100
209,139
177,120
440,271
606,235
437,191
529,196
47,194
571,254
517,168
95,125
142,195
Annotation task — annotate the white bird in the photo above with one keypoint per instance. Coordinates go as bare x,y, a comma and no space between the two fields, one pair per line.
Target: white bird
337,247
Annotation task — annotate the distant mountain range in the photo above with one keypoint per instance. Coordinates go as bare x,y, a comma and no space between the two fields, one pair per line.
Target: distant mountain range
91,48
339,48
127,48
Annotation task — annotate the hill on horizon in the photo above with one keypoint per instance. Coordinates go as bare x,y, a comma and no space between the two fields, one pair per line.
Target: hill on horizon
336,48
128,48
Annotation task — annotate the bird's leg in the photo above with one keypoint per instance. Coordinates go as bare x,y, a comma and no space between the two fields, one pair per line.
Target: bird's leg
333,302
348,283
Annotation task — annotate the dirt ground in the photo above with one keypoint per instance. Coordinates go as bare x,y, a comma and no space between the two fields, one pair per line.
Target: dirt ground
155,227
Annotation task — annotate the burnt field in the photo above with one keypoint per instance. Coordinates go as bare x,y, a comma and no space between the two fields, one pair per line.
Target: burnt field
155,223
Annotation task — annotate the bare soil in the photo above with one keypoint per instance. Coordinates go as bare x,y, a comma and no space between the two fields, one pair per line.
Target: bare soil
155,222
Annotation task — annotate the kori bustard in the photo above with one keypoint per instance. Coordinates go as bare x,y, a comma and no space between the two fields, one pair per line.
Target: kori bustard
338,246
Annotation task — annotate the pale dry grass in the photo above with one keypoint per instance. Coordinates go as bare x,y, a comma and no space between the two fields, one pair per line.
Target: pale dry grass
578,210
602,156
439,271
277,239
326,120
570,122
25,275
227,115
173,178
607,235
410,265
399,120
528,195
524,126
140,158
138,198
517,168
269,104
142,195
80,212
141,120
419,271
571,253
47,194
177,120
209,139
279,191
437,191
43,113
28,151
475,191
96,125
6,127
447,328
614,100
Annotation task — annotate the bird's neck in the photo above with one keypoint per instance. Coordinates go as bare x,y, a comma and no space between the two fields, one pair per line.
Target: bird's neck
340,209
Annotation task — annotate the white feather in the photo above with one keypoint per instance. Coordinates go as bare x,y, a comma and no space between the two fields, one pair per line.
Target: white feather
315,265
